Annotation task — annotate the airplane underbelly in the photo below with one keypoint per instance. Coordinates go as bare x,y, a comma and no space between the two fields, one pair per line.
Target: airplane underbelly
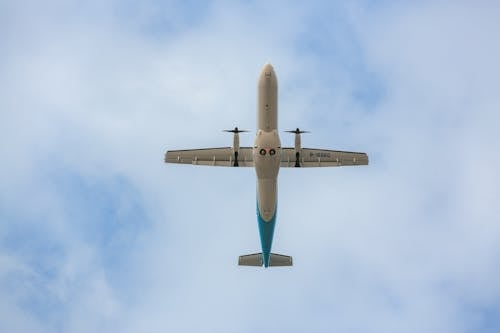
267,100
267,159
267,198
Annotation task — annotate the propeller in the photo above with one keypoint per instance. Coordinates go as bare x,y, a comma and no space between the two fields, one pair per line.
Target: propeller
235,130
297,131
298,145
236,143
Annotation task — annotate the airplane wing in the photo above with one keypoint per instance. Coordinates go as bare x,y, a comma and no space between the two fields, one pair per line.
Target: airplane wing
321,158
211,157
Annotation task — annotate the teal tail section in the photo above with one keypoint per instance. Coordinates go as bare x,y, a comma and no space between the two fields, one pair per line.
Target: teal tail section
266,258
266,231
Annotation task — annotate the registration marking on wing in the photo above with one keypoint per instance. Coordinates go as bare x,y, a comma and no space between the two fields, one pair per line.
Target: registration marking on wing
320,155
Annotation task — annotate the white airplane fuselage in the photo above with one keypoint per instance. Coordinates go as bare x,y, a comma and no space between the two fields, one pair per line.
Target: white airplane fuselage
267,157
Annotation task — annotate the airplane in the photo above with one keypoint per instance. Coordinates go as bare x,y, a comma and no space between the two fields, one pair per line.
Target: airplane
267,157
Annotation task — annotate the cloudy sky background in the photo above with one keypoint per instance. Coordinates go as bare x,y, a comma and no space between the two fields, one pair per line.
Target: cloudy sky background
98,235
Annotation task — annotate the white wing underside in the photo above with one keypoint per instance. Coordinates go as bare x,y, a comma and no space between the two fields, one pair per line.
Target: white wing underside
211,157
307,157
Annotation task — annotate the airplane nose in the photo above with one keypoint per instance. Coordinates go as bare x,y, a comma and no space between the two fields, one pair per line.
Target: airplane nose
267,70
267,67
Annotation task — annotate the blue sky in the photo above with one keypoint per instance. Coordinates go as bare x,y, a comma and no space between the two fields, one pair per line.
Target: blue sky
97,234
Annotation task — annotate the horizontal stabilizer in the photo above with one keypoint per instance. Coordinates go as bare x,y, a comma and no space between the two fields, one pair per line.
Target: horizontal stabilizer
251,260
255,259
280,260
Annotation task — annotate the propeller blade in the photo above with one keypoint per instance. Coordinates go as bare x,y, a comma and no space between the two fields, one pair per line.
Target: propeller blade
235,130
297,131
